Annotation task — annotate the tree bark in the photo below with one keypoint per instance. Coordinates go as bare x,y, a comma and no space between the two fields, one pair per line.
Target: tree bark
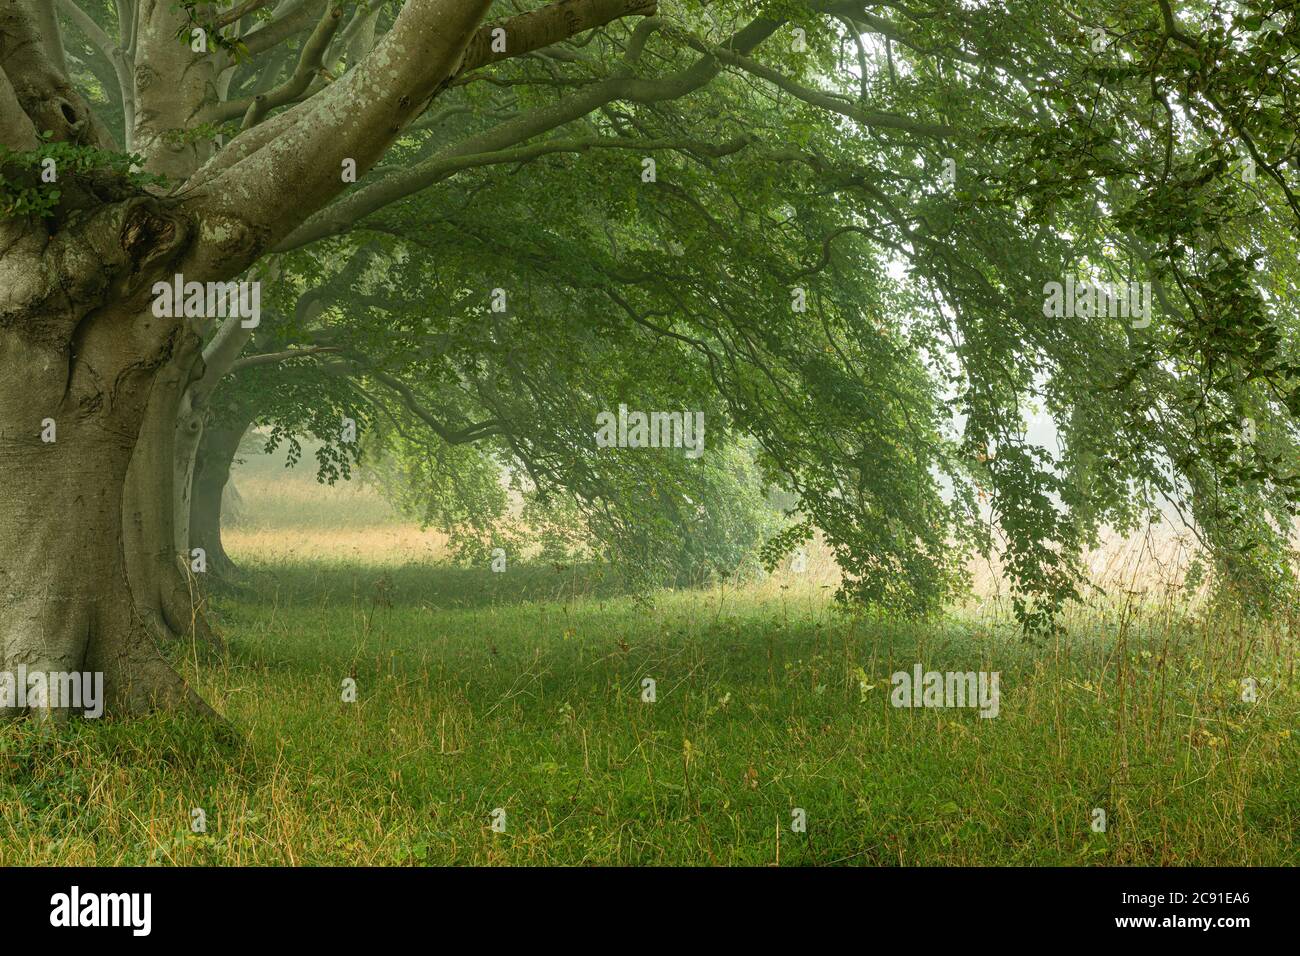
190,414
67,605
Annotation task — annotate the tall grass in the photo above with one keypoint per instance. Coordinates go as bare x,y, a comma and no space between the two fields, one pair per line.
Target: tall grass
522,691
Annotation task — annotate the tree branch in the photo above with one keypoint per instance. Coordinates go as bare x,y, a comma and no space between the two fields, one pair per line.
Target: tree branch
825,101
31,55
309,64
117,58
623,85
356,364
296,16
249,201
16,130
524,154
172,82
272,358
459,436
548,25
238,13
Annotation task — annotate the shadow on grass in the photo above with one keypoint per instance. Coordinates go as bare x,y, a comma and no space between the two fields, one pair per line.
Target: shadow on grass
442,587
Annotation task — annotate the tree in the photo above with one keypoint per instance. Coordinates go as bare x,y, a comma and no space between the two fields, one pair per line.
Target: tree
79,274
985,151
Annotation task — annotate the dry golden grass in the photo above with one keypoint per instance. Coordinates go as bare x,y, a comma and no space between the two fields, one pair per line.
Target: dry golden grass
1153,564
381,545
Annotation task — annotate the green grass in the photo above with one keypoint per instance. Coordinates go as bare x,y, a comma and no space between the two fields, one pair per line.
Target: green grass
522,691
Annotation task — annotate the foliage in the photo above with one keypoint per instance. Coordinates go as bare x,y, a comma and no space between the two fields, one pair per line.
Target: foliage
894,405
25,193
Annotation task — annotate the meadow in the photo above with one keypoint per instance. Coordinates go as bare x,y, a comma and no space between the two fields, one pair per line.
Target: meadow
521,692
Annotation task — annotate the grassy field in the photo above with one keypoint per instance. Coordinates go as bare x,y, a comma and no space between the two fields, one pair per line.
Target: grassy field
522,691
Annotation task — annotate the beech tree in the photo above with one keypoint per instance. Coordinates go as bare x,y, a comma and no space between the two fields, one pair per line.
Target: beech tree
984,149
78,280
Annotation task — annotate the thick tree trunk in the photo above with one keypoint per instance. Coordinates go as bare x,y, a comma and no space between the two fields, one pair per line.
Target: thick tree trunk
211,475
67,606
69,423
80,349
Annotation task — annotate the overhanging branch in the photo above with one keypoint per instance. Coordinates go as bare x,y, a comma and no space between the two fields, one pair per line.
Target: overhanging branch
273,358
548,25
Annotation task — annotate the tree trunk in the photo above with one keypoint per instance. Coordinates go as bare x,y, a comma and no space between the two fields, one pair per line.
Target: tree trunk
67,606
189,428
169,595
80,349
191,415
70,417
211,475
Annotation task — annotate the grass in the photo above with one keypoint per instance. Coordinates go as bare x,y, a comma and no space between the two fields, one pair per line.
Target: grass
522,691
